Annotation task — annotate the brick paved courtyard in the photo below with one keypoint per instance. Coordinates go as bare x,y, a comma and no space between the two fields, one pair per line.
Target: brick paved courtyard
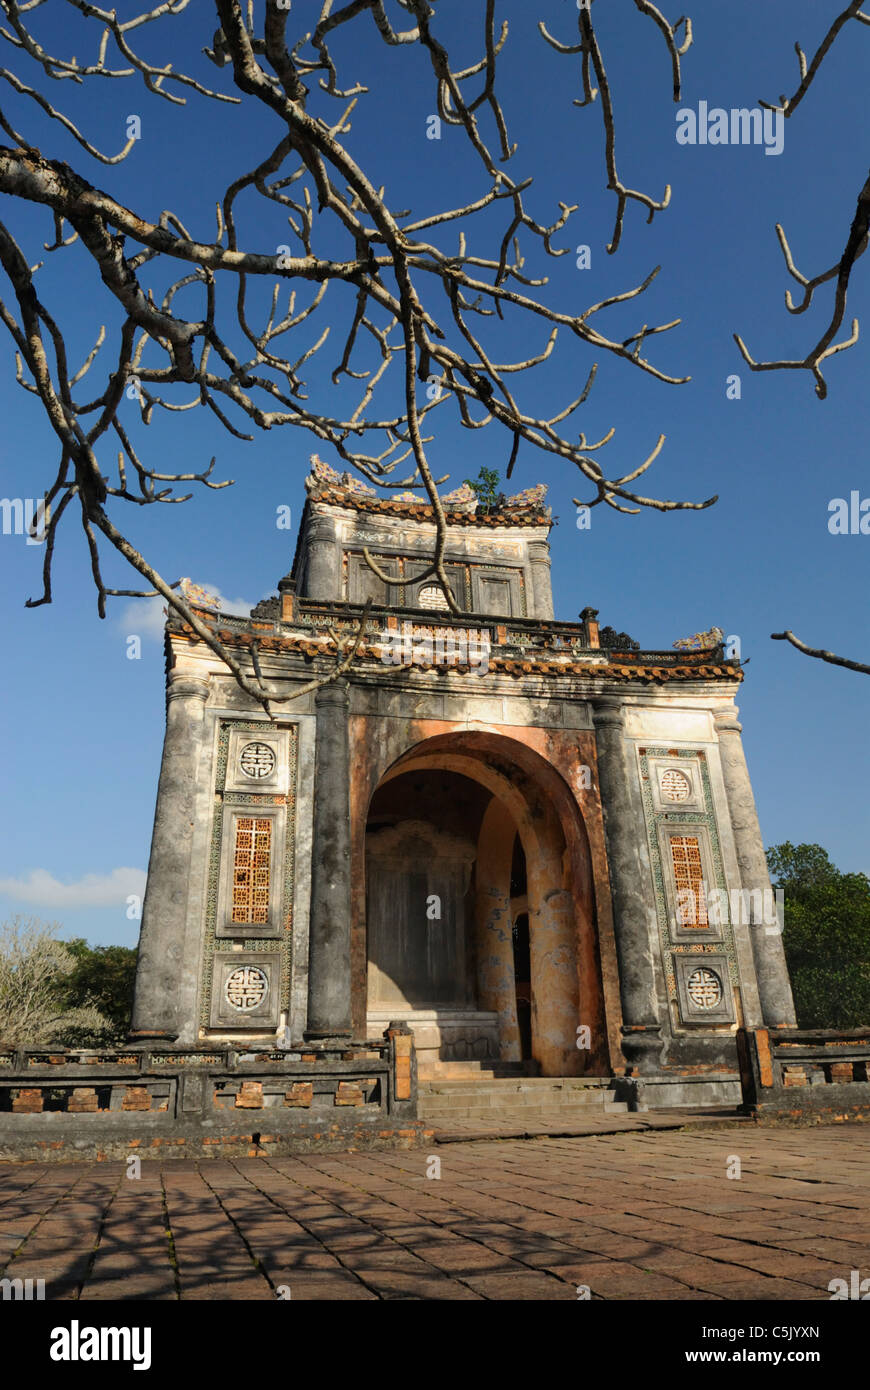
650,1216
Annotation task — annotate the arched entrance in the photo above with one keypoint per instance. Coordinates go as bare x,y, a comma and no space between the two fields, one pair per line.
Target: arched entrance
480,922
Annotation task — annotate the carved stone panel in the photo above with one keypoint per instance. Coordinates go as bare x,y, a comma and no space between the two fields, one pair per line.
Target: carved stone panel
496,592
675,785
703,988
363,583
246,991
258,762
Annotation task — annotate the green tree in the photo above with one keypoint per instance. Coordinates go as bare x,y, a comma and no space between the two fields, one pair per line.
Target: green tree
485,487
826,936
34,968
103,976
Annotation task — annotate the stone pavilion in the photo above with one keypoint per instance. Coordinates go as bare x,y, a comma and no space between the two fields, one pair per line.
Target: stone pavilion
503,832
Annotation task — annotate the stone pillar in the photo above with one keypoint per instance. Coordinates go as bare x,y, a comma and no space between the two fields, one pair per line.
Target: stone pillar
771,972
631,887
164,914
542,587
323,570
496,982
553,959
329,973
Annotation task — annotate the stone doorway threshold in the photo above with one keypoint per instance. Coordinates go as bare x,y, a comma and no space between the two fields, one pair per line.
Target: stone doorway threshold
557,1126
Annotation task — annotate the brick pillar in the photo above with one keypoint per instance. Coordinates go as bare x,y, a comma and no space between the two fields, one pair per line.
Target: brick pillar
589,619
287,592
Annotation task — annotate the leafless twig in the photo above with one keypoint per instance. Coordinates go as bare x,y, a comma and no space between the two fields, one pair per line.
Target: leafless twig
820,653
593,62
825,347
855,245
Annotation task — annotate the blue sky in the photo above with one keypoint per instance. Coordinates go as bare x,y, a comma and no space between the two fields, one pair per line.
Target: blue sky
84,724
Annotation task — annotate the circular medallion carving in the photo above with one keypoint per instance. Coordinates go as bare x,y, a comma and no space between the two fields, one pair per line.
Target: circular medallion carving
246,988
704,988
257,760
675,785
432,596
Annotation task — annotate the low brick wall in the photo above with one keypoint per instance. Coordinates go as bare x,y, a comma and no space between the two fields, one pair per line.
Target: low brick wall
179,1102
806,1076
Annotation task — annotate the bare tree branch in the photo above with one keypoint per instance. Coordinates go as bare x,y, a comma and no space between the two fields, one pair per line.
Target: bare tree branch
591,56
788,105
201,324
825,347
820,653
855,245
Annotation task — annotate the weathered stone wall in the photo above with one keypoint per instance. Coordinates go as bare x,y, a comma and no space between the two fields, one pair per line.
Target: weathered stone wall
693,1016
805,1076
62,1105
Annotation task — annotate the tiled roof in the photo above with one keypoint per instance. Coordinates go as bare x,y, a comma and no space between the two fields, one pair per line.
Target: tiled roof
645,667
461,507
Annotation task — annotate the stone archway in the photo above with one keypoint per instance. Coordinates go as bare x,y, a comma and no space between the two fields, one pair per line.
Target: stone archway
516,802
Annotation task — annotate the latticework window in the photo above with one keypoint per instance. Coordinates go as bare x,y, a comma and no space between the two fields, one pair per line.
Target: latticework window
689,879
252,865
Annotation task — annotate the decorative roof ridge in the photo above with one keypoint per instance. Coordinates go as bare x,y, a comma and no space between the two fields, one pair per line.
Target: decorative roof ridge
461,507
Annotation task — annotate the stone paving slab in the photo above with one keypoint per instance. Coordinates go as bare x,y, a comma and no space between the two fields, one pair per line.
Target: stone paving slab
646,1213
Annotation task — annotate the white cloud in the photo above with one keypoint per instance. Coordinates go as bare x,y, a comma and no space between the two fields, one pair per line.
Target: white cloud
146,617
93,890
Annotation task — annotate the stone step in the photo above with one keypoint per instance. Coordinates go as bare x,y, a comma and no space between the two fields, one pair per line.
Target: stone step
504,1085
440,1104
517,1100
520,1114
472,1071
524,1115
578,1123
498,1091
